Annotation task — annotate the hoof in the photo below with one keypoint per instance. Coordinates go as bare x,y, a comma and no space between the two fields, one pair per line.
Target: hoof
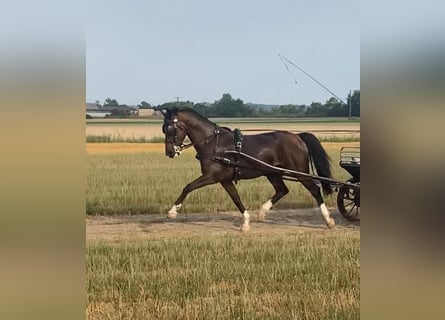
330,223
265,208
245,228
171,215
173,211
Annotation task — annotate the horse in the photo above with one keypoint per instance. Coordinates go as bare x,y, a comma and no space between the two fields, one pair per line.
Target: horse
278,148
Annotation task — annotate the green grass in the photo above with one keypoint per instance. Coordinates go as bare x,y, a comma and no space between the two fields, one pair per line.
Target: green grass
339,139
109,138
309,276
132,183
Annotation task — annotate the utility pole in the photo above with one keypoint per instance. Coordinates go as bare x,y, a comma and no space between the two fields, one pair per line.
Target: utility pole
177,99
350,103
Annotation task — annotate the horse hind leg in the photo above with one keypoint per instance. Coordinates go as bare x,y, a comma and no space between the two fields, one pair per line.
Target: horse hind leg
316,193
280,191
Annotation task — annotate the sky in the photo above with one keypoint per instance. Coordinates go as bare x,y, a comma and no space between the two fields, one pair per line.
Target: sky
161,51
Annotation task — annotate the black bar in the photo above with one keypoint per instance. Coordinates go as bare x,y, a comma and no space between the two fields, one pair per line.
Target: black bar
292,173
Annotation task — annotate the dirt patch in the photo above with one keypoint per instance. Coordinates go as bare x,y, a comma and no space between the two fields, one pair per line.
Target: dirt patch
155,226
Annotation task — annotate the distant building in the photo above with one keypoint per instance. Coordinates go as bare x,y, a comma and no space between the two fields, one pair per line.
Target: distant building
146,112
94,111
91,106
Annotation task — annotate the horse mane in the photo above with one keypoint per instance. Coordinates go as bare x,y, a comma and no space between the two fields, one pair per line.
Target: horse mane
195,114
191,112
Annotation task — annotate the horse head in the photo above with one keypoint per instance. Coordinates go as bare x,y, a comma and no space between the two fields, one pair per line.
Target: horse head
175,132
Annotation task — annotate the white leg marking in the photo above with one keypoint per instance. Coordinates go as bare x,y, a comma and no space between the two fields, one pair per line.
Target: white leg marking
173,211
265,208
326,215
245,226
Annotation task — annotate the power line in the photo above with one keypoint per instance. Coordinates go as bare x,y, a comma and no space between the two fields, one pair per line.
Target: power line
287,68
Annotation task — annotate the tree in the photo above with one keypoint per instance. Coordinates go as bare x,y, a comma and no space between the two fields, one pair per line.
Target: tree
354,99
334,108
316,109
229,107
111,103
287,109
202,108
176,104
144,105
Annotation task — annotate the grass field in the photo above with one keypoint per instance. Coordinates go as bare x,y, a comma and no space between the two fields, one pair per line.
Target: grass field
109,138
143,130
303,276
145,270
139,178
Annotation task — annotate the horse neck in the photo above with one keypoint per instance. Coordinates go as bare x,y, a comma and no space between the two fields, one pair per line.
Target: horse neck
198,130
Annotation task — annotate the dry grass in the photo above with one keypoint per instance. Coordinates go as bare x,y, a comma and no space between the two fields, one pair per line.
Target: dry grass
307,276
140,179
149,130
146,269
110,148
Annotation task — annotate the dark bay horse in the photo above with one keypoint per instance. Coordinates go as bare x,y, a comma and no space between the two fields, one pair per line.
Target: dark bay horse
277,148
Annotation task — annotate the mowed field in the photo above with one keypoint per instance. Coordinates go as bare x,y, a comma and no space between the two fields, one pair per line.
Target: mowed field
140,266
148,129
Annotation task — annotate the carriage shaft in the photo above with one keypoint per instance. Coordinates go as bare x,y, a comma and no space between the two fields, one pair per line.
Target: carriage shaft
291,173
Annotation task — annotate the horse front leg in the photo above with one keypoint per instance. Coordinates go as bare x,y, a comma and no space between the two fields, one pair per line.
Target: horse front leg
233,193
200,182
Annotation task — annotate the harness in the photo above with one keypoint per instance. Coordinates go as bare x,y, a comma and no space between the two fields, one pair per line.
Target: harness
170,130
238,141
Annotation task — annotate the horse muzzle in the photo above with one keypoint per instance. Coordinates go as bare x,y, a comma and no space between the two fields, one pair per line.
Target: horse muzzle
176,152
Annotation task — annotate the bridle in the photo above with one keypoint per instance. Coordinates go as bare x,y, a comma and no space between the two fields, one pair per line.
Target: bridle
170,130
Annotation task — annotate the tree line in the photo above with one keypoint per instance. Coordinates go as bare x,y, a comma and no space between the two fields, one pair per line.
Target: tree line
230,107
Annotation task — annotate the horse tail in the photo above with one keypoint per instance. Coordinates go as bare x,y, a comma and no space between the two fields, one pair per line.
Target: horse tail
319,157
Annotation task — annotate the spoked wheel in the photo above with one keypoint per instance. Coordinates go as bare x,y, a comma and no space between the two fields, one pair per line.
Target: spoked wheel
348,202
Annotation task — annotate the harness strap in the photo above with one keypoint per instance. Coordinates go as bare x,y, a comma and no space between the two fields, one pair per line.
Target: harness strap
216,133
207,139
238,141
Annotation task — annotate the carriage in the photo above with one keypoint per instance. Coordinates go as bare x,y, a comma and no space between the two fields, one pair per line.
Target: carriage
348,199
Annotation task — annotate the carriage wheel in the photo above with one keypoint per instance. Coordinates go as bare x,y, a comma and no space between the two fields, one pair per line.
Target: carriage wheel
348,202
